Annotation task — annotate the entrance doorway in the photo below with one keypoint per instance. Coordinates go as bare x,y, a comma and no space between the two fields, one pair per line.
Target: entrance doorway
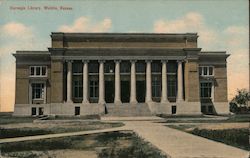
109,91
140,91
125,91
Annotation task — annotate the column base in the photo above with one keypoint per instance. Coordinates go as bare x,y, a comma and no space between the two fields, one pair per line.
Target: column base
118,102
165,102
102,102
149,101
69,102
85,102
179,101
133,102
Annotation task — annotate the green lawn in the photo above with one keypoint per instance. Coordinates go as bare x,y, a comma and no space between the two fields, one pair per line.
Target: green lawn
50,128
7,118
231,119
112,145
235,137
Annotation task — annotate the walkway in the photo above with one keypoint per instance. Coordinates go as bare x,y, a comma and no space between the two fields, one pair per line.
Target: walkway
179,144
173,142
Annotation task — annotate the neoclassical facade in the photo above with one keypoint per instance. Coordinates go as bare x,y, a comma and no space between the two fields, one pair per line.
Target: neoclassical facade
121,74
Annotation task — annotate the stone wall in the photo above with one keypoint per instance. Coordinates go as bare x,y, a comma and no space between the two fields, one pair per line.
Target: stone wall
22,84
220,87
191,79
56,81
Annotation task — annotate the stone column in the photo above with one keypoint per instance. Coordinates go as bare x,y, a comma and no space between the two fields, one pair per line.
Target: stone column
133,99
85,82
148,82
164,94
69,82
180,83
117,83
101,83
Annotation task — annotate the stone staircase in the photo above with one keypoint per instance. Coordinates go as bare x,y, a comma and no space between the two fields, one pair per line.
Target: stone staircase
127,109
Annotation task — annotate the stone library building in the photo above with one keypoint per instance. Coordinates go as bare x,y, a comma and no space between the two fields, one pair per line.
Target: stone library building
121,74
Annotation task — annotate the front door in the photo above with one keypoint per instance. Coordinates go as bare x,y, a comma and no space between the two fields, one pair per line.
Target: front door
125,91
140,91
109,91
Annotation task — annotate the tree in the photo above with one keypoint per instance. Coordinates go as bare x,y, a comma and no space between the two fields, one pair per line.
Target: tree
240,102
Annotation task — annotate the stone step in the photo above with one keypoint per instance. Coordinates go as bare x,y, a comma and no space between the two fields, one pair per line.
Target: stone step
126,109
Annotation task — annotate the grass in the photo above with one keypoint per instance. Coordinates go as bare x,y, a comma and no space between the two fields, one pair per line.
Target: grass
60,128
112,145
8,119
234,137
231,119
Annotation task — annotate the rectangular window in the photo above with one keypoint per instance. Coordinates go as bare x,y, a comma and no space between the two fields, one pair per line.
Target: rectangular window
125,67
140,67
156,67
32,71
93,67
37,90
210,71
77,87
205,89
77,111
109,67
41,110
206,70
156,87
94,89
38,71
172,85
33,111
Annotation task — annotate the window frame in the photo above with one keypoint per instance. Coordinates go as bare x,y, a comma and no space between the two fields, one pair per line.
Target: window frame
202,69
42,90
211,90
156,87
40,73
95,87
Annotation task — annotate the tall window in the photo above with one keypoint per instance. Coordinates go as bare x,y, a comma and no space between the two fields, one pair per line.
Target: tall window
77,80
172,85
156,67
109,67
156,87
206,70
140,67
93,67
205,89
94,89
37,90
77,87
38,71
125,67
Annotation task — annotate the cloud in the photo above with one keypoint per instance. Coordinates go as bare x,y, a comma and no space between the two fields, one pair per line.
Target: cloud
14,36
84,24
233,39
191,22
17,30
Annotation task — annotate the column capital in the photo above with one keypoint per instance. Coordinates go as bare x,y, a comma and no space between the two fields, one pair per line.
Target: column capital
133,61
85,61
179,61
101,61
148,60
164,61
117,61
69,61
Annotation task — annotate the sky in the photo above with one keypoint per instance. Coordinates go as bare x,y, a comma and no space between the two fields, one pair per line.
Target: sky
222,25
